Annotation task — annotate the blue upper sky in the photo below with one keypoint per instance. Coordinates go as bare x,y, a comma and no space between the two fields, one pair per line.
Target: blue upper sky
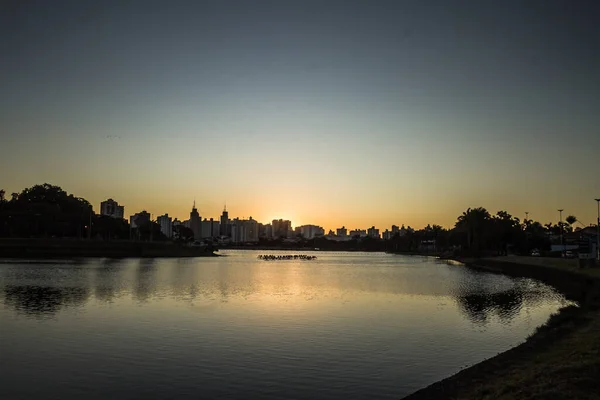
327,112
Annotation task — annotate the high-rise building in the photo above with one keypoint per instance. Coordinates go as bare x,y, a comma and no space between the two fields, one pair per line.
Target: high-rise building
252,230
387,235
265,230
195,222
223,230
215,227
166,225
373,232
112,209
281,228
358,232
209,229
244,231
139,219
311,231
136,221
342,231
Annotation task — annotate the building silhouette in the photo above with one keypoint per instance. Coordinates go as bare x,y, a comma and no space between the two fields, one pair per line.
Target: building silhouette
210,228
342,231
225,228
373,232
265,230
281,228
111,208
311,231
139,219
166,225
136,221
195,222
358,232
244,231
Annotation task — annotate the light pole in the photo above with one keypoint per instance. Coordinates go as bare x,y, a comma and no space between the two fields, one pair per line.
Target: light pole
598,232
561,231
526,232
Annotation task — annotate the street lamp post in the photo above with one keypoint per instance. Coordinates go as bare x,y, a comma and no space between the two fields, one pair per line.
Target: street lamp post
561,231
526,231
598,232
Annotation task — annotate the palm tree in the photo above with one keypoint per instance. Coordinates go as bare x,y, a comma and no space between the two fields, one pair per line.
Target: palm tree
473,221
506,230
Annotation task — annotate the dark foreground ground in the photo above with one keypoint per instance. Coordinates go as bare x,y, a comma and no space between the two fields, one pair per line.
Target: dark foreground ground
561,360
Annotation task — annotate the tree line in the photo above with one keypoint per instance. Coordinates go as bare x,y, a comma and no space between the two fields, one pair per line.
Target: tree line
476,232
49,211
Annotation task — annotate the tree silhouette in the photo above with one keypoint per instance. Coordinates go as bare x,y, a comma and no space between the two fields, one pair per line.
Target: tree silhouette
44,211
474,222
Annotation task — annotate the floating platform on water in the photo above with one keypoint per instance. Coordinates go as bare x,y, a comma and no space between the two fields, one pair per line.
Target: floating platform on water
271,257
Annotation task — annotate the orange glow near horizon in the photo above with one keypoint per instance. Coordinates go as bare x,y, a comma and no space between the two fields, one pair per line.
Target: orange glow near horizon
300,210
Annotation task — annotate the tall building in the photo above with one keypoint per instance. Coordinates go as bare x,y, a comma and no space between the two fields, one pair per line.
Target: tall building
311,231
139,219
136,221
281,228
358,232
224,231
387,235
244,231
166,225
215,227
112,209
373,232
252,230
265,230
342,231
195,222
209,228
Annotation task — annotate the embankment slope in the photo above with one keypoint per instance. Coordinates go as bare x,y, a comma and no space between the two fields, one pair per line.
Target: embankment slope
561,360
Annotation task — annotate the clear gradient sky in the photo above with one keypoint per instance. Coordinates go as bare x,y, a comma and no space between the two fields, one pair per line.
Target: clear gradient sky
328,112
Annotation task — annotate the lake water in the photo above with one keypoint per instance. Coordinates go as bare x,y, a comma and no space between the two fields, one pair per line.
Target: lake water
347,325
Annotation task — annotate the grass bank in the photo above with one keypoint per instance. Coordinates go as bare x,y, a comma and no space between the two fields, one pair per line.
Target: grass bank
560,360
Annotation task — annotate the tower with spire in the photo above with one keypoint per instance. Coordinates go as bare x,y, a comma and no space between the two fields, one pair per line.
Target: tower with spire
195,222
225,229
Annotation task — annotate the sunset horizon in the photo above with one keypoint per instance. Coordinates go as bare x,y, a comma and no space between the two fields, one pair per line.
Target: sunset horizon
336,114
299,199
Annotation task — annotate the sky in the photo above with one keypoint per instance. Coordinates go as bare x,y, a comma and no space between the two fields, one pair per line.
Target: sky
354,113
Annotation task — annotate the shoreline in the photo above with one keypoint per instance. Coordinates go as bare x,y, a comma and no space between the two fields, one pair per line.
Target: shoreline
31,249
561,359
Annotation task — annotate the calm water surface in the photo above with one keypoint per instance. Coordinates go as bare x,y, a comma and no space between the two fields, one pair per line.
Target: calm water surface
347,325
